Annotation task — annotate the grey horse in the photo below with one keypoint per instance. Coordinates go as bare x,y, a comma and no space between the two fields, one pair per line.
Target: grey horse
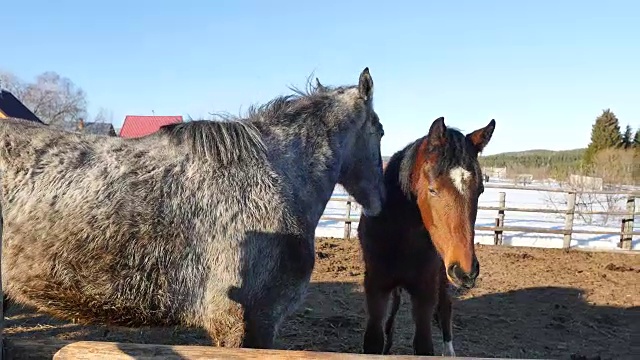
203,224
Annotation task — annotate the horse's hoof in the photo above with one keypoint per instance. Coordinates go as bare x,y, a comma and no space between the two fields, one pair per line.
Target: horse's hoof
447,349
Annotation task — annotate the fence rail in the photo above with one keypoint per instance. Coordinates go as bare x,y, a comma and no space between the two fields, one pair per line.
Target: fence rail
626,231
58,350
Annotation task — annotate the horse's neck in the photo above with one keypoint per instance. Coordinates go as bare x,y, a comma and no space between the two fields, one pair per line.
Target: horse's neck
311,164
397,178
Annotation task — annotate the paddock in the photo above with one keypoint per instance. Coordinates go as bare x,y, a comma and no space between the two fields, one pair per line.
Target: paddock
530,303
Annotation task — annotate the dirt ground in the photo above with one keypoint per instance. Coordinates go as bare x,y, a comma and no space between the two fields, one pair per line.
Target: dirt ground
529,303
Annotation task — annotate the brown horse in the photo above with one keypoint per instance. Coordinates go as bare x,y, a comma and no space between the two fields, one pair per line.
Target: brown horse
422,240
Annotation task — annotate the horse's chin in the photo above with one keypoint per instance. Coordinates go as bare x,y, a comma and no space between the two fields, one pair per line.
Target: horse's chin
458,288
371,212
373,208
455,283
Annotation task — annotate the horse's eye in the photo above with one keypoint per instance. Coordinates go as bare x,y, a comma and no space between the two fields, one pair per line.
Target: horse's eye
433,191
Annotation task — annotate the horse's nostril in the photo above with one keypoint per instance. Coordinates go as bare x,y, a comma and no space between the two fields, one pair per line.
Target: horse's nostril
455,271
466,279
451,269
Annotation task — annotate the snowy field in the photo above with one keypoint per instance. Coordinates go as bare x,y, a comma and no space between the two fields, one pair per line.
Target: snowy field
522,199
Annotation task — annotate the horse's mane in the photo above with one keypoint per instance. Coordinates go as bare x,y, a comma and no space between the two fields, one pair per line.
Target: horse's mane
403,162
223,142
311,101
232,138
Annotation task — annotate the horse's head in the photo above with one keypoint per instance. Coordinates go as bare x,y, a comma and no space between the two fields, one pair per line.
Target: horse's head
361,167
447,181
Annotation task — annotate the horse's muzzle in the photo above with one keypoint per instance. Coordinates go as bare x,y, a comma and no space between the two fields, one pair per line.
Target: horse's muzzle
460,277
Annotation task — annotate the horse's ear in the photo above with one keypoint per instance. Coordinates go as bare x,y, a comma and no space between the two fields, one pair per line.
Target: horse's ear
365,85
437,132
480,138
319,86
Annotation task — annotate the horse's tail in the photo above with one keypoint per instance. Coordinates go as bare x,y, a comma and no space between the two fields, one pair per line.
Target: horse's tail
388,328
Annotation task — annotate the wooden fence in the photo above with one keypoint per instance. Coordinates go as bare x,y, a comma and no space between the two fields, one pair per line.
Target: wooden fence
626,231
58,350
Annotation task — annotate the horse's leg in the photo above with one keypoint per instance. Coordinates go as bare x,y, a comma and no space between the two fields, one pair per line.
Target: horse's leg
242,326
444,311
263,319
388,329
260,331
423,304
376,299
282,294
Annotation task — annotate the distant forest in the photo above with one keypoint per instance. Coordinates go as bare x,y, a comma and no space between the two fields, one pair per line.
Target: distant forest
543,164
554,163
532,158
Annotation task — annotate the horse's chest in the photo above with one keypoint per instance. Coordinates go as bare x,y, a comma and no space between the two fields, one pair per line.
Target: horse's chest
414,257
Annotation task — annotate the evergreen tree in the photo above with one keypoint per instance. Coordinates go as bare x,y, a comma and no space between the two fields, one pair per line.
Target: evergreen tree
636,139
605,134
627,138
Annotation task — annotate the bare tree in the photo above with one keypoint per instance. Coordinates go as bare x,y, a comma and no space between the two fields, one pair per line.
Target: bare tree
618,167
586,203
13,84
103,116
53,98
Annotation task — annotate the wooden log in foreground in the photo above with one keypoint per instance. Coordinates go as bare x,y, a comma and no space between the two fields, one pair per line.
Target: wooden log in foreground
59,350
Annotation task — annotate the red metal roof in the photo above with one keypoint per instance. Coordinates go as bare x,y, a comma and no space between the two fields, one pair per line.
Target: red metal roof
137,126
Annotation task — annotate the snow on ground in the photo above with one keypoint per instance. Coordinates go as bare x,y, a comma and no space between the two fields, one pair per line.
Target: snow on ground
522,199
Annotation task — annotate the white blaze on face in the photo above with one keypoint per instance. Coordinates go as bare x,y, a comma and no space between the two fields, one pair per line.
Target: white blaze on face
459,177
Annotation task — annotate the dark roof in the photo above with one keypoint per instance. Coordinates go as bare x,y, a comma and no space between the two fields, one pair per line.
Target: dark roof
12,107
89,128
99,129
137,126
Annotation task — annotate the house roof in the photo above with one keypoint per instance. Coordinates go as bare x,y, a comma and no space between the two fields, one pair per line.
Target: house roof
99,128
89,128
12,107
137,126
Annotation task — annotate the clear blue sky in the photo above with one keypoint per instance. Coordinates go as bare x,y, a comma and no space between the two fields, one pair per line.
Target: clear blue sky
543,69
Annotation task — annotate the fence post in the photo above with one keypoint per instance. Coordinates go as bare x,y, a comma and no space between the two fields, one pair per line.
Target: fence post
568,219
626,236
347,222
497,238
